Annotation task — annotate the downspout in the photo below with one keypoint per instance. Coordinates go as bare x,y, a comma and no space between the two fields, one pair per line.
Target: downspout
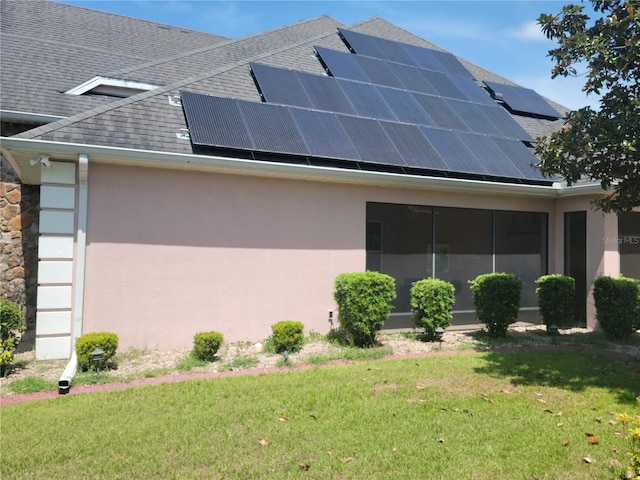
64,383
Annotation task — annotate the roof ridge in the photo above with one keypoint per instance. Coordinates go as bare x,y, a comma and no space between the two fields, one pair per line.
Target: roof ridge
51,127
141,20
83,47
222,44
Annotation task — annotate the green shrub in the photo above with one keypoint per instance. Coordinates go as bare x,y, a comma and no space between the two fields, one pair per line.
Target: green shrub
432,305
87,343
556,299
206,345
497,300
617,305
364,303
287,335
12,325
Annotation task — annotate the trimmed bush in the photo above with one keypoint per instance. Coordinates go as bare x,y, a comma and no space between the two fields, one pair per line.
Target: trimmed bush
206,345
287,335
364,303
617,305
432,305
87,343
497,300
556,299
12,325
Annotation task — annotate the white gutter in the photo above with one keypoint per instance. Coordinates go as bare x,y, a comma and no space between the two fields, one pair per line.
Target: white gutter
148,158
27,117
64,383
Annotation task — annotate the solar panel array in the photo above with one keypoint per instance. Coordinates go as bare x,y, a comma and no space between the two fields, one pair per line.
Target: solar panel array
525,100
410,109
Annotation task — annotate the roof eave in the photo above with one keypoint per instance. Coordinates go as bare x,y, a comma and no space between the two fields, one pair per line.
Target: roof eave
20,150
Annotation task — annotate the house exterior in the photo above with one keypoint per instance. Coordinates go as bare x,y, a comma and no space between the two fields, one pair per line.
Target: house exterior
186,182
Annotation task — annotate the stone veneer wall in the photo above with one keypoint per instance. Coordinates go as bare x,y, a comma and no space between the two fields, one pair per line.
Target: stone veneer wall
19,205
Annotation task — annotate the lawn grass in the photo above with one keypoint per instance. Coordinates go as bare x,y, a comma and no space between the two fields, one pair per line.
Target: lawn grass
471,416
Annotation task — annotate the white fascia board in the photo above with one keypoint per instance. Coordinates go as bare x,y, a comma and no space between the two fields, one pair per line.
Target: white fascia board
148,158
110,82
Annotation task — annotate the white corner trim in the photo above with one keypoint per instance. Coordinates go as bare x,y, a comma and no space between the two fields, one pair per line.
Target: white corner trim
81,246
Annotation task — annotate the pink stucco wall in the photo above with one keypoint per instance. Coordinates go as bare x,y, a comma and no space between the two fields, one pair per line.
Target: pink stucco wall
172,253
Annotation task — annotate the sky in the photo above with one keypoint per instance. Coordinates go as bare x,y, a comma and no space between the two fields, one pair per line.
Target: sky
500,36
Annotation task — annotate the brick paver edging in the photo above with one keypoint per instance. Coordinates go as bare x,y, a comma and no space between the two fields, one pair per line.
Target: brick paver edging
28,397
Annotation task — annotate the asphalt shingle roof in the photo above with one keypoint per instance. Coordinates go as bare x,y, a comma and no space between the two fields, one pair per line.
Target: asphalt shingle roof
213,65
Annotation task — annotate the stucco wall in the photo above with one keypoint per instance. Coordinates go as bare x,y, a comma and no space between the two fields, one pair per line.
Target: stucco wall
173,253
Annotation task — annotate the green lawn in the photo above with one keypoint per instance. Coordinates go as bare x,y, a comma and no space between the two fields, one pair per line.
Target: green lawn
473,416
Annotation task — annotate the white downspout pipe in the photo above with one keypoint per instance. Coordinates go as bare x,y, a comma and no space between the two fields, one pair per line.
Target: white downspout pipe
64,383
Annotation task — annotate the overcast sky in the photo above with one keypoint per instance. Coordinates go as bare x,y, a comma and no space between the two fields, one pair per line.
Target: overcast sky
501,36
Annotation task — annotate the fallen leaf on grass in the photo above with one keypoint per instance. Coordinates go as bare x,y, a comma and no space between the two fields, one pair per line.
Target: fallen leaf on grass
617,432
593,440
263,442
565,443
313,417
347,459
612,422
441,440
559,424
599,419
394,449
587,459
329,452
542,400
283,419
506,391
304,466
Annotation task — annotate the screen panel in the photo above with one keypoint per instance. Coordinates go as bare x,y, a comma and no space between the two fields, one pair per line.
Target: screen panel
371,141
279,85
272,128
215,121
341,64
324,135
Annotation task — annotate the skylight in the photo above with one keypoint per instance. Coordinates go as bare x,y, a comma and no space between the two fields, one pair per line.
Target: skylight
112,87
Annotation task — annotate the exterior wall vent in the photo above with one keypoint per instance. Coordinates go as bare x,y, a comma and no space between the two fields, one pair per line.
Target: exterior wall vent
112,87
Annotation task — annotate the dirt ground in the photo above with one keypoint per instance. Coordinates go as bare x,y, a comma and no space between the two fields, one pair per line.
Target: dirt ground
249,356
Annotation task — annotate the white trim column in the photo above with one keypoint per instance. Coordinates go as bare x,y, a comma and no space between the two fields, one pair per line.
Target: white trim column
56,260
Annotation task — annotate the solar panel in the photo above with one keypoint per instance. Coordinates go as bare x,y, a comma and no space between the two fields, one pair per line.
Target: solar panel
371,141
521,157
361,43
490,156
279,85
440,112
523,100
325,93
366,100
474,92
378,71
215,121
324,135
453,151
341,64
272,128
451,64
412,145
411,79
473,117
423,57
505,123
393,51
404,106
442,84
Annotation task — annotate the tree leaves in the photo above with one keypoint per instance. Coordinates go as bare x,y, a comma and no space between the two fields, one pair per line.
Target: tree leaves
602,146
